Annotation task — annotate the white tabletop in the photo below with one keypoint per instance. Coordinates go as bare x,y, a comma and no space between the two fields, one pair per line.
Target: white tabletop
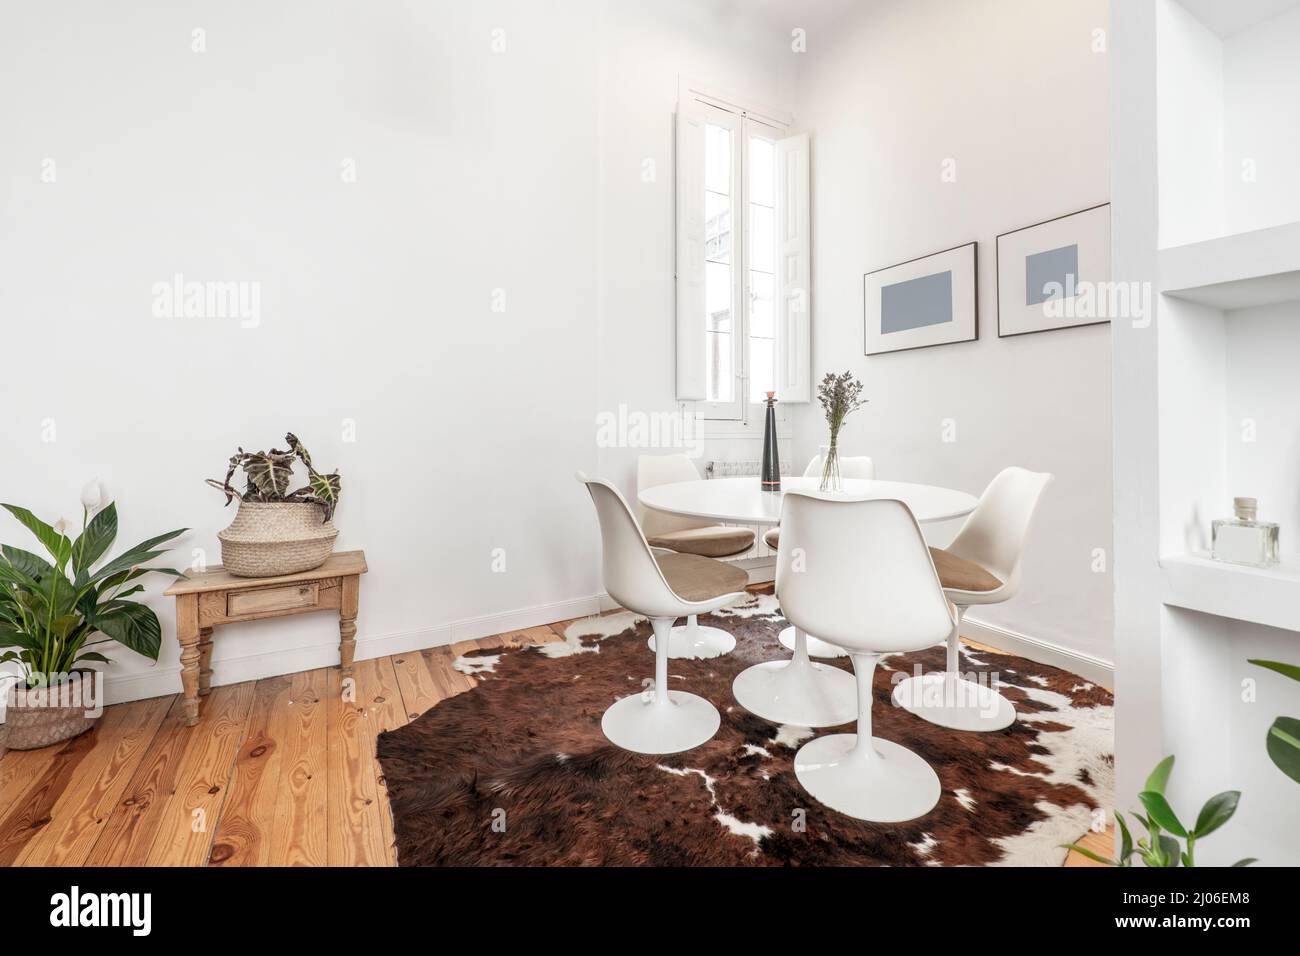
742,501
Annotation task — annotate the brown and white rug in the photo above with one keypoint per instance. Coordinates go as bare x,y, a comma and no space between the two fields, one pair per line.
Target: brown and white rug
517,771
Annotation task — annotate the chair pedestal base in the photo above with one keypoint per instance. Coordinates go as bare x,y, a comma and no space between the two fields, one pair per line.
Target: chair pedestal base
816,646
645,725
797,692
889,784
951,701
691,641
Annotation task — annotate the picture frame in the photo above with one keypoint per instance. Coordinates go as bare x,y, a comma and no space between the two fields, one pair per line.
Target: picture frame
923,302
1049,274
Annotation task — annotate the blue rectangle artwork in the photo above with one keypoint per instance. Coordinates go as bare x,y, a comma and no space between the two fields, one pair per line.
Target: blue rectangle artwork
1053,274
916,303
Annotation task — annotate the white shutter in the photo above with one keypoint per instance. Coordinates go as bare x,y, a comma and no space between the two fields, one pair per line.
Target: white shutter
692,384
793,271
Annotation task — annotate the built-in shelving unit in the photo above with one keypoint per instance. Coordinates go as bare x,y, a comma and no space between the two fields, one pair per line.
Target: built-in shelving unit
1268,596
1241,271
1206,208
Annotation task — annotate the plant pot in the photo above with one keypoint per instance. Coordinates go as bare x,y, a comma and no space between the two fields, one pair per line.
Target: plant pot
271,538
50,715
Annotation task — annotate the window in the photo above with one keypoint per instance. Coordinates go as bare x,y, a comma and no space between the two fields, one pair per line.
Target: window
742,259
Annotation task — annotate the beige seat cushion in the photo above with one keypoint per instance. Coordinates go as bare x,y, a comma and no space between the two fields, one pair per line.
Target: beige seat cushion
694,578
958,574
713,542
772,538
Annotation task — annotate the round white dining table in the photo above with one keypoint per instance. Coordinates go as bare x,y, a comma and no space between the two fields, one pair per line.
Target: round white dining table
742,501
798,691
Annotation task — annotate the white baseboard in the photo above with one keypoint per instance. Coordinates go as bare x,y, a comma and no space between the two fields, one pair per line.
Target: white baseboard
1095,669
167,680
160,681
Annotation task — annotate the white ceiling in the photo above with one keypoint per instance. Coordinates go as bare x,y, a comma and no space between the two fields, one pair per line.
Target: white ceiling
1226,17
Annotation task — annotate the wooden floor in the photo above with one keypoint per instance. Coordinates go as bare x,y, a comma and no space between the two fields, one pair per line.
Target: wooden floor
279,771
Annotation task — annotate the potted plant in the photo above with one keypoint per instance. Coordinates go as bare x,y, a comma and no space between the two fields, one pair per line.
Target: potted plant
277,531
840,396
50,610
1283,741
1160,847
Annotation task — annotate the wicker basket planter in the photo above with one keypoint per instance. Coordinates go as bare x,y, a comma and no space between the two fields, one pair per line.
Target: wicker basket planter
49,715
276,537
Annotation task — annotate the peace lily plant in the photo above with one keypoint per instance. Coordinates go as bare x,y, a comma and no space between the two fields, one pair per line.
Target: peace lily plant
51,609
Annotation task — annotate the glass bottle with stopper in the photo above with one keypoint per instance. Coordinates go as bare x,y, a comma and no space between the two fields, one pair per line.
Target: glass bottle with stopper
1244,539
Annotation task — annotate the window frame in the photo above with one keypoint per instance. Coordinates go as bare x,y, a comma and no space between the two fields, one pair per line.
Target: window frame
741,117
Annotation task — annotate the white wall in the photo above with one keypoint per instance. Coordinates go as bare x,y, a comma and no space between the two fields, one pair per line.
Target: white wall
1189,62
1013,93
1262,83
518,170
475,171
646,48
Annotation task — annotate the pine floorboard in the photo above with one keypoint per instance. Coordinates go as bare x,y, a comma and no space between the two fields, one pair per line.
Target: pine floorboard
279,772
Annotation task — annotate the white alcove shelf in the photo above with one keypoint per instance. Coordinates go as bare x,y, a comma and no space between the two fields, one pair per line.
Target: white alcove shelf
1229,131
1269,596
1241,271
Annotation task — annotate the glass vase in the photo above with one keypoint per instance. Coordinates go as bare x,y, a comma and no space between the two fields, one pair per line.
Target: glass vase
831,468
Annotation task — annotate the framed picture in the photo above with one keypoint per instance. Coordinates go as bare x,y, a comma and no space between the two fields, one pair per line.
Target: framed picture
1049,273
921,302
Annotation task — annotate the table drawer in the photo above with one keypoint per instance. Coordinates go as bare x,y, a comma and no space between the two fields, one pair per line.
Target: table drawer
271,600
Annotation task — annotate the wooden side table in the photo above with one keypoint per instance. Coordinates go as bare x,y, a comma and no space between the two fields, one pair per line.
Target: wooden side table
215,596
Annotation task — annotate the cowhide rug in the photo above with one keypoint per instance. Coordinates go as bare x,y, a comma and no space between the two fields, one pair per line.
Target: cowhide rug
517,771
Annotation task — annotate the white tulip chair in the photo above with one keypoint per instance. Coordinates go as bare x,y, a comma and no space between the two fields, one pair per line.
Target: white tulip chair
981,566
868,586
663,586
687,536
854,466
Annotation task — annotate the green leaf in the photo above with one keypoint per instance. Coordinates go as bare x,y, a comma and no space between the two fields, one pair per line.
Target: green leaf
1170,850
12,638
94,656
1217,811
326,488
137,556
1283,745
1160,776
95,540
1095,857
1161,812
62,626
298,448
1247,861
134,626
1126,838
26,563
269,472
58,545
1288,670
130,574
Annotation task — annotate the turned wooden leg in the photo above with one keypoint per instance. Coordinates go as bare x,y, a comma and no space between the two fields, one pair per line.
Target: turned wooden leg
205,661
187,632
348,622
